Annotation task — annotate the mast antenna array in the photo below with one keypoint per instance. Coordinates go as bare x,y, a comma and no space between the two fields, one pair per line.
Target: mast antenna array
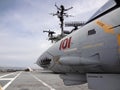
61,13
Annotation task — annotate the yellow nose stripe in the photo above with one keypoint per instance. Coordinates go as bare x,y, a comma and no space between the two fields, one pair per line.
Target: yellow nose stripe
118,39
107,28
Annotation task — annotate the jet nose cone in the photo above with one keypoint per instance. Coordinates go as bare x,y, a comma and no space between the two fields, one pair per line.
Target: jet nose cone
44,62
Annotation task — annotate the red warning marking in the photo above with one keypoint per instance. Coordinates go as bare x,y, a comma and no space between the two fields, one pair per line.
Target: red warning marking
66,43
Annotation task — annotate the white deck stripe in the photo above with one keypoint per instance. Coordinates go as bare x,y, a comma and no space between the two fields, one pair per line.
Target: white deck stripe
11,81
6,75
6,78
45,84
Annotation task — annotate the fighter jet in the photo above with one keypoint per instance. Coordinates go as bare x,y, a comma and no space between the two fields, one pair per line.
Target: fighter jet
90,54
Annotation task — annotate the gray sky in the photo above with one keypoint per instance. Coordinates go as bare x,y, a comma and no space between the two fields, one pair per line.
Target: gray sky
22,23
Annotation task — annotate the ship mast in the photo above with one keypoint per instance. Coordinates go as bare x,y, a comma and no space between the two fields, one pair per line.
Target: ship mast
61,13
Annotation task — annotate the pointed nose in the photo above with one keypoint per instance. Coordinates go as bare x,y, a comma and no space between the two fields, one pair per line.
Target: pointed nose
44,62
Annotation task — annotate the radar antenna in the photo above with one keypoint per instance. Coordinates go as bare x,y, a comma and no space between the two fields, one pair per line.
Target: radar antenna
74,24
61,13
50,35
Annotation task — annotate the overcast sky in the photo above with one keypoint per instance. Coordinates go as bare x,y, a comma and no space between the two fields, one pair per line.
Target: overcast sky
22,23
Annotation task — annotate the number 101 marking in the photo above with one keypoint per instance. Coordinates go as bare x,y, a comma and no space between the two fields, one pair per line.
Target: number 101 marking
66,43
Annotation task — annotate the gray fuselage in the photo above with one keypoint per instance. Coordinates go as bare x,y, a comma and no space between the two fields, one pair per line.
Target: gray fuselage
95,47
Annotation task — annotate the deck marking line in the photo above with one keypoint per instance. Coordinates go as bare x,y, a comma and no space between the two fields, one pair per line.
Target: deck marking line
45,84
6,75
11,81
6,78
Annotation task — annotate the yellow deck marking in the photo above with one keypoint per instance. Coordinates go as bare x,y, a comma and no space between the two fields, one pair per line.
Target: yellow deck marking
107,28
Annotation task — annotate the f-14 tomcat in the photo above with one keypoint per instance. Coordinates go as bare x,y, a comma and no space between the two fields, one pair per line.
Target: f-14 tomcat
91,53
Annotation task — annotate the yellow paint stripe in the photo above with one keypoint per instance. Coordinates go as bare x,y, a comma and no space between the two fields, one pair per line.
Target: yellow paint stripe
118,39
107,28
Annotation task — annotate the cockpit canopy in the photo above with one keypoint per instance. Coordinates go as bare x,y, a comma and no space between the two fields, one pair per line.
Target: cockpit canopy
106,7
